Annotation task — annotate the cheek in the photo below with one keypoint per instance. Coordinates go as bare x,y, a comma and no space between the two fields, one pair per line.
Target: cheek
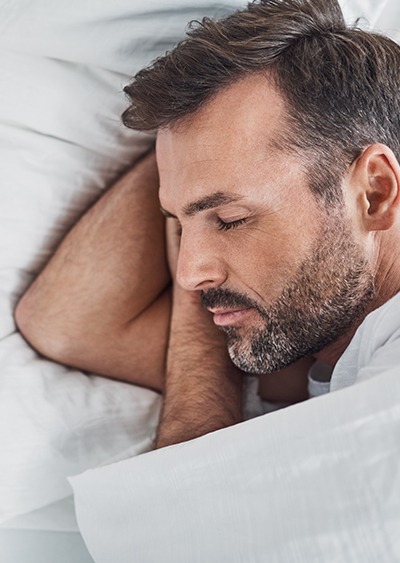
264,262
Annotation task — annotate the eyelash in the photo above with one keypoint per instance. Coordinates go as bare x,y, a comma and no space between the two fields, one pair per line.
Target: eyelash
222,226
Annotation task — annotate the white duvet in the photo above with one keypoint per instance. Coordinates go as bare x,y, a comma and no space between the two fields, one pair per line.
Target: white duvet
63,66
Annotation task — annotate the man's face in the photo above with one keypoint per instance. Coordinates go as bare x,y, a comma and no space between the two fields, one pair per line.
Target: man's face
283,276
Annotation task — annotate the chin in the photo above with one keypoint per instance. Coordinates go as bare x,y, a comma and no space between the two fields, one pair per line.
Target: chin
244,359
259,356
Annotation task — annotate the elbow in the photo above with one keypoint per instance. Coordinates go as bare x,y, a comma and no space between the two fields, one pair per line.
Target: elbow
22,317
34,325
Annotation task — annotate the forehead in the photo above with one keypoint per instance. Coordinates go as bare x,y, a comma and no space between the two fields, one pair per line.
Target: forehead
227,146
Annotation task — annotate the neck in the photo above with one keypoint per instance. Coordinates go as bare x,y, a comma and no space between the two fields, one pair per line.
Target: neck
387,285
333,351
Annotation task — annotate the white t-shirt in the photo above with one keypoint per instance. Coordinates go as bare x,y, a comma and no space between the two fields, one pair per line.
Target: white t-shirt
374,349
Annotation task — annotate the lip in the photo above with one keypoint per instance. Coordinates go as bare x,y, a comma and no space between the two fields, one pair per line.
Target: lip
229,317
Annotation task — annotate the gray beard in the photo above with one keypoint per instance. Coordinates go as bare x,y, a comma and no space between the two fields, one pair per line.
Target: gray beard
330,293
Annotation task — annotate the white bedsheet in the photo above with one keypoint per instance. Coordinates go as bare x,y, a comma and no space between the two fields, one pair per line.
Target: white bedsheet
28,546
317,482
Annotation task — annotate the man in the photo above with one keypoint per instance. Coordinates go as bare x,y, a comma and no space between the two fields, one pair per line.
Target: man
277,149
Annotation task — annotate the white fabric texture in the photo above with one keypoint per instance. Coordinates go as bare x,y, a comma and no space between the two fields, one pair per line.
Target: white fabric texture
63,66
319,481
374,348
39,546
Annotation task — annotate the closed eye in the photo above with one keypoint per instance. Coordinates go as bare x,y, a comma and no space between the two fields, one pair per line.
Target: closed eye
225,226
222,225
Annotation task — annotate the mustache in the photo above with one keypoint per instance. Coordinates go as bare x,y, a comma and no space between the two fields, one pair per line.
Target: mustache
225,298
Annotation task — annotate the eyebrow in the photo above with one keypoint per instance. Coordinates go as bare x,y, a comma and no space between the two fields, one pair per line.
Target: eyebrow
207,202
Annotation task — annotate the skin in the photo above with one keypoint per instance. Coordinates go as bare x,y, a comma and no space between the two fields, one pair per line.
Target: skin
102,303
214,169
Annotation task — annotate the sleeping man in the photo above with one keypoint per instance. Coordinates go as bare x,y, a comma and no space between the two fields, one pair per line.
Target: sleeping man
277,171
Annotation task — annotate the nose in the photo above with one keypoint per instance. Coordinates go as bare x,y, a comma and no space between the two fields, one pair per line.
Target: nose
199,265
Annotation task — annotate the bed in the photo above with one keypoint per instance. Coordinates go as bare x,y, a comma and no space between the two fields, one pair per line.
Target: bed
75,447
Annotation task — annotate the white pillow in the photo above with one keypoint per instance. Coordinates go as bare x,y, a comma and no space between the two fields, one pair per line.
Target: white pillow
382,16
63,67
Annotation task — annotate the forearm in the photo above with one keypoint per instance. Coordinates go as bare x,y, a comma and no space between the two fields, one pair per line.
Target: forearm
204,391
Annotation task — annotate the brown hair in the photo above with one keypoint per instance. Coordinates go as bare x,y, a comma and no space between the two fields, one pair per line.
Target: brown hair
341,84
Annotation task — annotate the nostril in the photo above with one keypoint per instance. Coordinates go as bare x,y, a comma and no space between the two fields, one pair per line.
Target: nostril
207,284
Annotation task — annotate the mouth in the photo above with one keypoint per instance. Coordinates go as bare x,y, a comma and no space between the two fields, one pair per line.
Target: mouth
229,317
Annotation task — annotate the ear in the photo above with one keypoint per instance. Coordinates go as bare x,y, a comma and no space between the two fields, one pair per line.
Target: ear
375,181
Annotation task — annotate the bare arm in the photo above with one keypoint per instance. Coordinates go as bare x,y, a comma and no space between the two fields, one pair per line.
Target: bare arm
109,272
204,391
